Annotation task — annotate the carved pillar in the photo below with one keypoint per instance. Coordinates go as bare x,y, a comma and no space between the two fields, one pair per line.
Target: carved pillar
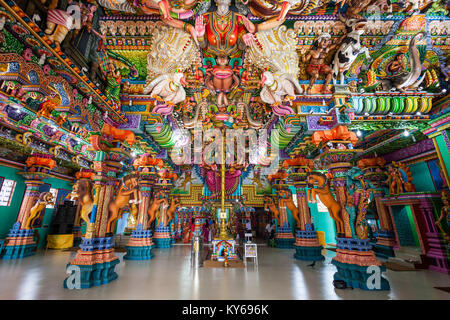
81,176
140,245
374,172
162,236
354,255
95,258
20,243
306,244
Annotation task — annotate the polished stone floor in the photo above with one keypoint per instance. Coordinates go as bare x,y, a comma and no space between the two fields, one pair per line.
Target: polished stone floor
169,276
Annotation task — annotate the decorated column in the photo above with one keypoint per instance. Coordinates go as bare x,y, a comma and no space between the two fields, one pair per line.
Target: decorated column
140,245
307,246
95,260
374,172
283,236
81,192
354,253
164,209
20,243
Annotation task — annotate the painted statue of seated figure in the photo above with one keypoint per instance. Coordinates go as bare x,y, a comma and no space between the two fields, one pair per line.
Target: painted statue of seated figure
222,79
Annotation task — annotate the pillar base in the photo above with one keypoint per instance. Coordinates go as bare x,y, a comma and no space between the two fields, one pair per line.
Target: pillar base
353,258
19,243
384,248
308,253
162,237
140,245
96,261
307,245
96,274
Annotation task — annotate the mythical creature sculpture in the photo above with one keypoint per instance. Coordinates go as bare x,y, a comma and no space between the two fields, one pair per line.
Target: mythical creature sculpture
158,199
350,48
316,58
172,52
326,197
359,195
169,87
275,88
174,204
128,190
285,200
407,79
119,134
270,204
45,198
46,107
275,50
82,192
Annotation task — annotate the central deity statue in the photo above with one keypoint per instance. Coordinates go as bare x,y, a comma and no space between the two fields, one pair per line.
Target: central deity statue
223,32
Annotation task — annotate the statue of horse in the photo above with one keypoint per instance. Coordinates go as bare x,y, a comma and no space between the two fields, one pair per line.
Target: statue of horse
45,198
326,197
128,188
269,203
286,197
155,206
171,211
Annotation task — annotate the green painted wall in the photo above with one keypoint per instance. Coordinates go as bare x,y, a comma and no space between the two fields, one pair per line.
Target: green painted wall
422,177
8,215
444,150
323,222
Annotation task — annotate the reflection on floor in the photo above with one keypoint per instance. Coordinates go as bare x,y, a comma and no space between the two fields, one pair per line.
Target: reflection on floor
169,276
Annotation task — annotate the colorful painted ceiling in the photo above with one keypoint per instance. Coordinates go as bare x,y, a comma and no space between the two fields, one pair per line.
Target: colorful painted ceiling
159,68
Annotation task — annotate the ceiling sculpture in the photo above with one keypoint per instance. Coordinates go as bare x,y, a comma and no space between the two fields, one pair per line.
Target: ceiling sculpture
156,67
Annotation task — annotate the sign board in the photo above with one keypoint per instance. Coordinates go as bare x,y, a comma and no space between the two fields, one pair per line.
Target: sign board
251,250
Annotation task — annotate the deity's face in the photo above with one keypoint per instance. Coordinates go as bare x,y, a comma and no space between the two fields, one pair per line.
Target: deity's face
223,3
324,43
222,7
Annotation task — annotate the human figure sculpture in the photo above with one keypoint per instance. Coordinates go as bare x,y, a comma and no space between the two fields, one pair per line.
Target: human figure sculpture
316,58
45,198
445,214
326,197
128,189
222,79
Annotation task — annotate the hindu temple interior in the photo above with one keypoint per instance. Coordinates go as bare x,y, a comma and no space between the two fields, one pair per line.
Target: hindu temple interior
224,149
